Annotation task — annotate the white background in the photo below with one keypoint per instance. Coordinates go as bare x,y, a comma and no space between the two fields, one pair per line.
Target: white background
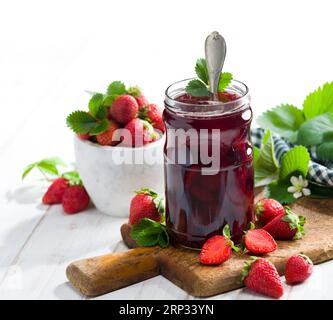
51,51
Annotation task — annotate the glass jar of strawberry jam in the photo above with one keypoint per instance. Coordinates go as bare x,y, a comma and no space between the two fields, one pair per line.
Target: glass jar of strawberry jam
208,164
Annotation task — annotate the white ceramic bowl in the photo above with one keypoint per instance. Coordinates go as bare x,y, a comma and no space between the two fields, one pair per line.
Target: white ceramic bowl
111,176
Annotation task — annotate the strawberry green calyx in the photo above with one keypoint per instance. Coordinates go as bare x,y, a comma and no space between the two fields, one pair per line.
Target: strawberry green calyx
227,234
147,191
252,226
259,208
143,113
73,178
148,126
247,267
134,91
151,132
295,222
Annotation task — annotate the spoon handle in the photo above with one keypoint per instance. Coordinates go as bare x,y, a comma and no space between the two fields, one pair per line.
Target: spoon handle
215,52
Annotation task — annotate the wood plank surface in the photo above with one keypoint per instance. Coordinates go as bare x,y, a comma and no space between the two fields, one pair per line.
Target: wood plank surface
181,266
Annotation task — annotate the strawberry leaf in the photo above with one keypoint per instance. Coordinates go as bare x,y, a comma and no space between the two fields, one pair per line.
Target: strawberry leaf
316,130
256,154
197,88
48,168
81,122
284,120
279,192
56,161
148,233
265,163
116,88
225,79
163,239
100,127
325,151
49,165
45,166
294,162
202,71
96,107
108,100
28,169
318,102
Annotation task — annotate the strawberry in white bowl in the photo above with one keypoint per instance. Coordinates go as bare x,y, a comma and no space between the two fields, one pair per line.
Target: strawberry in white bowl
118,147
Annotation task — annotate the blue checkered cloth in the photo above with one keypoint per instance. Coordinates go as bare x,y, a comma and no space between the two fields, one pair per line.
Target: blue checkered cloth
320,172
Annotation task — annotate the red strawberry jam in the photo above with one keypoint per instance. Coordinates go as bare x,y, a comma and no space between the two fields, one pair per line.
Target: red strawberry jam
199,205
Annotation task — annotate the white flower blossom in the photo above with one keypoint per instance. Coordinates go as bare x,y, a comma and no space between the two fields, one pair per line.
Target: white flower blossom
299,187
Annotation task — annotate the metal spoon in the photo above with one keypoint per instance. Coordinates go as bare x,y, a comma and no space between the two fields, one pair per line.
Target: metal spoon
215,52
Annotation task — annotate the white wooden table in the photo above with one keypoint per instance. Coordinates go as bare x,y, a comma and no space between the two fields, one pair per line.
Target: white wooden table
47,60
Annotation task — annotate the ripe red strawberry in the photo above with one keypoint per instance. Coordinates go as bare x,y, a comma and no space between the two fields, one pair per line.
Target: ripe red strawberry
267,209
259,241
84,136
141,100
107,138
55,191
287,226
261,276
137,94
217,249
75,199
124,109
298,269
140,132
146,204
153,114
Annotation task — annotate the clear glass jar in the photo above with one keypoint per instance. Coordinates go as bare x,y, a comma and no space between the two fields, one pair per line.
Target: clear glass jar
208,163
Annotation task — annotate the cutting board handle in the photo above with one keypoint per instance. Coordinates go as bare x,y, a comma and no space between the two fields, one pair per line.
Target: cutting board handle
102,274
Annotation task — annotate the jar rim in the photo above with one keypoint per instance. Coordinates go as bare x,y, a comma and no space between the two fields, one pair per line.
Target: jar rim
205,108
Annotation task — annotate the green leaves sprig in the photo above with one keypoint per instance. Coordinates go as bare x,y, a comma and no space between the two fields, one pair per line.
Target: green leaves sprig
49,167
265,162
200,87
95,121
318,131
149,233
310,126
277,176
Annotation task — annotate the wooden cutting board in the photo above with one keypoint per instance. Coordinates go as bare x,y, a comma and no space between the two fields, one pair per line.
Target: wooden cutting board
99,275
